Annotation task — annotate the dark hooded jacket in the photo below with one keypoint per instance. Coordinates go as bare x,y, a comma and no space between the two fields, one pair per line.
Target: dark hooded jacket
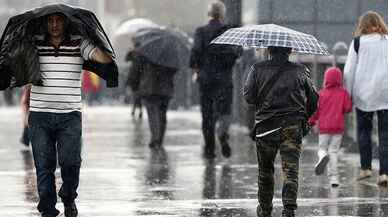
290,99
19,60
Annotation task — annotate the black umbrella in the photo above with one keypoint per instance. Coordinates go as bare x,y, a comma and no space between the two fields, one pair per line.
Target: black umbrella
162,46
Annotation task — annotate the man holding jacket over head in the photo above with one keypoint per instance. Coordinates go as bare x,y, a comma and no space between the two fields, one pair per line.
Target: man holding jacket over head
55,120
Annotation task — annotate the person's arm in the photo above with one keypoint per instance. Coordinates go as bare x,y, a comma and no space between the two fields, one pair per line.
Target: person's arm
311,94
313,119
250,87
25,103
135,72
348,103
197,50
350,68
100,56
89,51
196,54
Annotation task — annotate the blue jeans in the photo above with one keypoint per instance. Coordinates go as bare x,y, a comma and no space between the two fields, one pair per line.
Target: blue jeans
364,136
52,135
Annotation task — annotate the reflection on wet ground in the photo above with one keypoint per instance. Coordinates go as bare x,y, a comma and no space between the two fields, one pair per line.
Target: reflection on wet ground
121,176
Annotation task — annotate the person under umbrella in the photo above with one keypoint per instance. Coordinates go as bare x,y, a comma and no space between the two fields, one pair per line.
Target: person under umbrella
55,102
282,93
155,85
122,36
158,55
284,97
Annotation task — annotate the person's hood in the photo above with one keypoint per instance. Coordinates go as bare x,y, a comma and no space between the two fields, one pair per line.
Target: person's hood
333,77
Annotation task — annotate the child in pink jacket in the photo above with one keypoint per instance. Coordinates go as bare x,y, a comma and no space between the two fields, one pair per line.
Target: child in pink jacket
334,102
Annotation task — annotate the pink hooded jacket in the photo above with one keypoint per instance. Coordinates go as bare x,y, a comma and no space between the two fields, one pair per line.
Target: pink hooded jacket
334,102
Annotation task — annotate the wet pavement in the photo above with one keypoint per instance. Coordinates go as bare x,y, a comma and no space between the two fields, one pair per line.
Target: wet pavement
121,176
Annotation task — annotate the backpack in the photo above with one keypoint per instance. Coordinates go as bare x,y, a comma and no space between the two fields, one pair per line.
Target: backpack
356,44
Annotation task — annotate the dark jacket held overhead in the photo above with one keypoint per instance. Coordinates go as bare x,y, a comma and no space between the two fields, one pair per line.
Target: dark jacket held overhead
19,61
291,97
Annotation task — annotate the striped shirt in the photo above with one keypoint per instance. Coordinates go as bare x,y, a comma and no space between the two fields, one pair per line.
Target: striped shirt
61,73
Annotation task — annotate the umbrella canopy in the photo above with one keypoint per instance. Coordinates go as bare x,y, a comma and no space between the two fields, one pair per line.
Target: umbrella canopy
122,37
266,35
134,25
163,46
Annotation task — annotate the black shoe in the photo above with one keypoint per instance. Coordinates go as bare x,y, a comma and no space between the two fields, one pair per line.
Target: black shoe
71,210
288,213
226,151
208,154
154,145
262,213
225,148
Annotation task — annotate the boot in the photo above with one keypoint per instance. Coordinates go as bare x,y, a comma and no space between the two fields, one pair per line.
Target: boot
225,148
261,213
288,213
71,210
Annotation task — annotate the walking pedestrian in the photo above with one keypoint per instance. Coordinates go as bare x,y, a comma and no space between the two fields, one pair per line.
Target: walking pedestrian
57,53
284,97
155,85
334,102
366,76
213,71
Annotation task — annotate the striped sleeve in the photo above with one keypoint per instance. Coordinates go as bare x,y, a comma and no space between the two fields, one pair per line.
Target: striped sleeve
87,49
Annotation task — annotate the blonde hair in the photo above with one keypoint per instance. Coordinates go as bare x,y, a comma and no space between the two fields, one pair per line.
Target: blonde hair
217,10
371,22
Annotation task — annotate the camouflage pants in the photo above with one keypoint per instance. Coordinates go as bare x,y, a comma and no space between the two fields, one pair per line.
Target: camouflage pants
288,141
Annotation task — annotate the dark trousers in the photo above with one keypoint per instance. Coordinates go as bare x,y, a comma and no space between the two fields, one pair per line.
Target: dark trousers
289,142
52,135
364,136
157,116
216,105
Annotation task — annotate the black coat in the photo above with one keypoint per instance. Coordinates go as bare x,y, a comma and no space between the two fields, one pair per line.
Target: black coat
19,60
148,79
215,62
290,98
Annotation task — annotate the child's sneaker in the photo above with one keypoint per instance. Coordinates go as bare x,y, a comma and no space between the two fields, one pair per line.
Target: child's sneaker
364,174
321,165
334,181
383,180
